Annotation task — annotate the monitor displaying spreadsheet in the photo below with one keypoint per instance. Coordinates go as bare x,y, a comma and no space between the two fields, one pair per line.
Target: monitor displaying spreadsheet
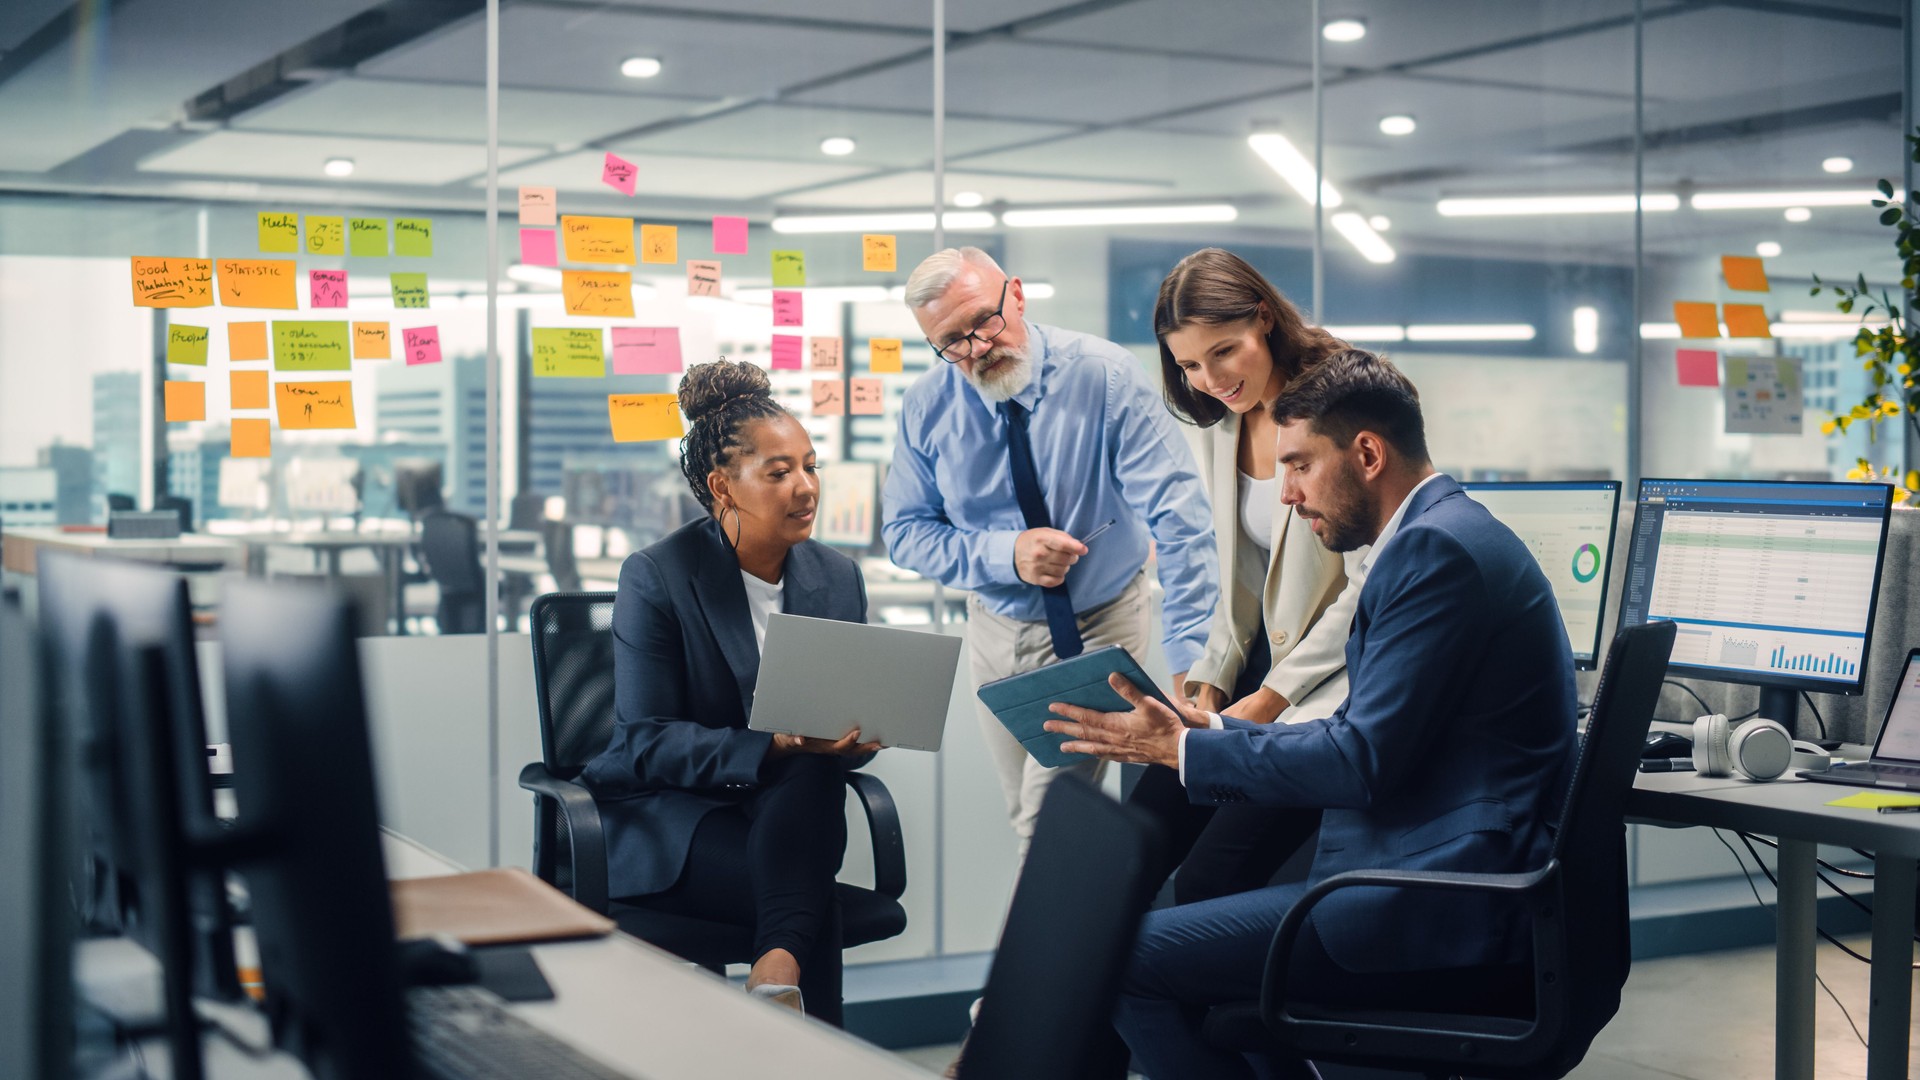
1569,527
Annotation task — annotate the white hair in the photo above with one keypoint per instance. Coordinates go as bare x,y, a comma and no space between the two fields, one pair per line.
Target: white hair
937,271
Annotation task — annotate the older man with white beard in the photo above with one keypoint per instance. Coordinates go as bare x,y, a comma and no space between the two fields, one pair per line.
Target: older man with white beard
1013,454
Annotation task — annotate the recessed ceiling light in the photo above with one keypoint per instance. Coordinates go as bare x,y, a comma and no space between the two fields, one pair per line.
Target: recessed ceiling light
1767,249
836,145
338,166
640,67
1797,214
1838,164
1344,30
1380,222
966,199
1397,124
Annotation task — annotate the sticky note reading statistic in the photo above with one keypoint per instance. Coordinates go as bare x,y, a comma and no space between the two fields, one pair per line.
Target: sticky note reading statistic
644,417
824,353
1697,367
186,345
703,277
185,401
422,344
646,350
868,398
1745,273
367,237
597,239
280,233
729,236
249,390
314,406
829,398
566,353
619,174
409,290
413,237
883,355
372,341
537,205
789,269
258,283
659,244
246,341
326,235
787,307
787,351
598,293
327,288
311,346
172,283
539,247
1696,319
878,252
251,437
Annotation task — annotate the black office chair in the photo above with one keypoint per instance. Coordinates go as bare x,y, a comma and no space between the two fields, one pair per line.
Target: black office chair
117,501
527,511
573,680
450,546
180,505
556,539
1578,900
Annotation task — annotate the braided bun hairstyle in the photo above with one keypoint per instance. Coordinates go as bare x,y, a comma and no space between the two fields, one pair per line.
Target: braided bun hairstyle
719,400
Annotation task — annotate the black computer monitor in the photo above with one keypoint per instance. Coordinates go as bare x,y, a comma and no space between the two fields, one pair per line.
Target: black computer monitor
1772,583
304,785
1569,527
417,484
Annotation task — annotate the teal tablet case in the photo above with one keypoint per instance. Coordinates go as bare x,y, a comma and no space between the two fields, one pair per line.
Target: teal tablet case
1020,701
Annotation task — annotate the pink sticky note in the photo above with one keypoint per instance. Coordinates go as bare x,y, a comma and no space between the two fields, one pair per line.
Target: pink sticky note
1698,367
786,307
729,236
868,397
423,344
327,288
646,350
537,247
786,351
619,174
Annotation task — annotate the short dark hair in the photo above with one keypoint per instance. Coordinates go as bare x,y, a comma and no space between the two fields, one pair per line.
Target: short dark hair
1353,391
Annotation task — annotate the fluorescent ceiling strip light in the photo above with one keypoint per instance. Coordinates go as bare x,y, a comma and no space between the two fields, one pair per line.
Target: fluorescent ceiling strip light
1777,200
1471,332
1368,333
1518,206
882,223
1177,214
1586,329
1286,159
1357,232
1806,331
1036,290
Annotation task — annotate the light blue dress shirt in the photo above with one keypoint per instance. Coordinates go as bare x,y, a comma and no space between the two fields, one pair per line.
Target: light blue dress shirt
1105,447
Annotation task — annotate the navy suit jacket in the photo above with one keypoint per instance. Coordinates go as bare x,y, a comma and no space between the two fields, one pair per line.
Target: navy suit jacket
1452,752
684,667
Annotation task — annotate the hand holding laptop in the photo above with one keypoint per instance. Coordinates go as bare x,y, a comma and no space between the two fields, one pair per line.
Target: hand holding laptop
848,745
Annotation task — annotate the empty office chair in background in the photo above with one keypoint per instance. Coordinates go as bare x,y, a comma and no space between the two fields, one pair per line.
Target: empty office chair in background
116,501
527,511
180,505
450,546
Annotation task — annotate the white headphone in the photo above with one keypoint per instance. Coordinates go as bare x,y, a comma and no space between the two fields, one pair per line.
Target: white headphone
1756,750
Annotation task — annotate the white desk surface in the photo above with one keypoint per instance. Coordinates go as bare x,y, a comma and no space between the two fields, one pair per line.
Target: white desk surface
187,547
1787,807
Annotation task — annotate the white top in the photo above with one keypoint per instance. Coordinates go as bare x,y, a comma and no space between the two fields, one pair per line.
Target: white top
763,599
1256,509
1393,524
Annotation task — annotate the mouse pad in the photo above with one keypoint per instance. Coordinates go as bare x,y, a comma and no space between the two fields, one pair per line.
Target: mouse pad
512,973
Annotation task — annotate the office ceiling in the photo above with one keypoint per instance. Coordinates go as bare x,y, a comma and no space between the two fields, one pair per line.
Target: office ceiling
1049,102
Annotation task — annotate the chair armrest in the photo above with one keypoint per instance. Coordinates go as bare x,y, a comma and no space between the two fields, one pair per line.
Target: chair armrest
586,842
883,822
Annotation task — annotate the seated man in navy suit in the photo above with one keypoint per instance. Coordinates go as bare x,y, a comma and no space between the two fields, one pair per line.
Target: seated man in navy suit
1452,751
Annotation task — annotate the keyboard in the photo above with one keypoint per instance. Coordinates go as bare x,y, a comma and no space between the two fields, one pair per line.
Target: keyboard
465,1033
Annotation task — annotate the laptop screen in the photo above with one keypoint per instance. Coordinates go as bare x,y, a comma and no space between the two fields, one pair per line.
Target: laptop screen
1900,735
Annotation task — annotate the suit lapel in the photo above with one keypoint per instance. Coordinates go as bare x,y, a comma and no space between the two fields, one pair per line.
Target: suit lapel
723,599
804,585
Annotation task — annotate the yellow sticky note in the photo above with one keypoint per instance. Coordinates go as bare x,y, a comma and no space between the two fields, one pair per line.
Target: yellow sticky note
171,283
248,389
1874,800
186,401
280,233
307,406
246,341
1746,321
597,239
367,237
564,353
644,417
1744,272
413,237
604,293
789,269
1697,320
883,355
878,252
326,235
659,244
316,345
187,344
252,437
258,283
371,341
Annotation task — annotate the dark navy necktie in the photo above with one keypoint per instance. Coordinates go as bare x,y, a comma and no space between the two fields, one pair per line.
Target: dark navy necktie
1026,488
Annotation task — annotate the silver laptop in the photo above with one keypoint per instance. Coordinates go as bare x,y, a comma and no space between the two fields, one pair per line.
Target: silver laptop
821,677
1896,753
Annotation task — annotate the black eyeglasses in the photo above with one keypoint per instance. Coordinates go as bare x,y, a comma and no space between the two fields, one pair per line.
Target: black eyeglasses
983,331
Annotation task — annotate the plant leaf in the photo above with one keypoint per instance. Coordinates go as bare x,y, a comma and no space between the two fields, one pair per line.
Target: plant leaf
1886,188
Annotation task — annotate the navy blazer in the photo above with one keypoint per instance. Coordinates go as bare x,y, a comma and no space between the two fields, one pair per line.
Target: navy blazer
1452,752
684,667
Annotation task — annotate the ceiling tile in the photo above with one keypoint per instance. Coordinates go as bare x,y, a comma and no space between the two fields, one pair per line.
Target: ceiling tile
426,110
967,17
794,132
914,190
299,157
681,176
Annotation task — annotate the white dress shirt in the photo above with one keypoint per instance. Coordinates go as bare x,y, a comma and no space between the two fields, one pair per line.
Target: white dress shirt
763,599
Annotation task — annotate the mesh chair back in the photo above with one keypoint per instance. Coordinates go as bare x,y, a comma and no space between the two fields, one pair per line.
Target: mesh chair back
527,511
450,544
573,677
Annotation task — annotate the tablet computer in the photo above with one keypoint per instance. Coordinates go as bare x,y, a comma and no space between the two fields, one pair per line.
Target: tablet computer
1020,701
821,677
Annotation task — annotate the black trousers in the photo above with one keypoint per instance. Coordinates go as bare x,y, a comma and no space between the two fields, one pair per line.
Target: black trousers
769,862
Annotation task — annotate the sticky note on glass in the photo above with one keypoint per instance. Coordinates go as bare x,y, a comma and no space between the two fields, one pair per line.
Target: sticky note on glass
280,233
878,252
703,277
326,235
729,236
597,239
602,293
1746,321
1744,272
539,247
367,237
422,344
413,237
868,398
172,283
327,288
314,406
1697,320
310,346
1697,367
644,417
824,353
786,307
371,341
883,354
246,341
185,401
409,290
537,205
789,269
646,350
829,398
786,352
258,283
566,353
251,438
248,390
187,345
619,174
659,244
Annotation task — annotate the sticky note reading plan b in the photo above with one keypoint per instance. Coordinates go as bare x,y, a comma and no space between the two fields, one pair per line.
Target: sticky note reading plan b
422,344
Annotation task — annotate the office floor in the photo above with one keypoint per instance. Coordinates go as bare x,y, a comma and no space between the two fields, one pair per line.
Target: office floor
1702,1017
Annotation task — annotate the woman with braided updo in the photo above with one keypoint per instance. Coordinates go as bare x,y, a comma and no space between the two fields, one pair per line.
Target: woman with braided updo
704,817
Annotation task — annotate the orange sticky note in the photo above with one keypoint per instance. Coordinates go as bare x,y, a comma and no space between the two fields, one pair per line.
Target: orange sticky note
605,293
829,398
171,283
644,417
659,244
248,389
1744,272
251,437
878,252
186,401
307,406
258,283
883,354
1746,320
246,341
597,239
1697,320
371,341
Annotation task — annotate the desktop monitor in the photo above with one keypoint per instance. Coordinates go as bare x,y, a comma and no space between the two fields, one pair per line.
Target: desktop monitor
1772,583
417,486
243,484
1569,527
323,485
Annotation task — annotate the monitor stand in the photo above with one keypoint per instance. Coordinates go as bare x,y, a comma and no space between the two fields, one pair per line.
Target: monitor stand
1781,706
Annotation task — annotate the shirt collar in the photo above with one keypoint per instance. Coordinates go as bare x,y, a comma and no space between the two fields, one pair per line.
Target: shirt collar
1393,524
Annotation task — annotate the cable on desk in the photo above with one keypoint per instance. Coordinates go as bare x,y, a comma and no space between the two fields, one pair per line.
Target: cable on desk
1775,882
1842,871
1821,720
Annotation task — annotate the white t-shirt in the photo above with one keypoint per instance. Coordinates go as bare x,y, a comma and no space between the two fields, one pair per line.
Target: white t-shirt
763,599
1256,499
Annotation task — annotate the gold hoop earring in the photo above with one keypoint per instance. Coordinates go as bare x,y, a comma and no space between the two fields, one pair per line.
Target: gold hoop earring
734,541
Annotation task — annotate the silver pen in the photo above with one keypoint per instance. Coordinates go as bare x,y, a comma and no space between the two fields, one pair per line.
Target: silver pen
1095,534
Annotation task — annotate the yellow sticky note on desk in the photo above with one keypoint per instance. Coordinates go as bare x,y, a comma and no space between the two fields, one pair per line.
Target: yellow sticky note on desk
878,252
659,244
597,239
1874,800
305,406
883,355
644,417
606,293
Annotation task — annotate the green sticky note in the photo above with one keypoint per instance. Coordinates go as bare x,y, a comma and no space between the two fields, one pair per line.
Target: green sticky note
409,290
186,344
789,269
367,236
280,233
326,235
568,353
311,346
413,236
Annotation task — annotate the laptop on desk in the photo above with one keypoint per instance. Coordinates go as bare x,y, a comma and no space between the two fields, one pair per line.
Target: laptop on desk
1896,753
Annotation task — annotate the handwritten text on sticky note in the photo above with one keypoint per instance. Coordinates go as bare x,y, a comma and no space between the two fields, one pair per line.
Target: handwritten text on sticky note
409,289
597,239
413,237
646,350
279,233
789,269
883,355
829,398
787,307
537,205
422,344
878,252
619,174
186,344
326,235
602,293
659,244
314,406
372,341
172,283
868,397
367,237
824,353
703,277
258,283
311,346
327,288
567,353
644,417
